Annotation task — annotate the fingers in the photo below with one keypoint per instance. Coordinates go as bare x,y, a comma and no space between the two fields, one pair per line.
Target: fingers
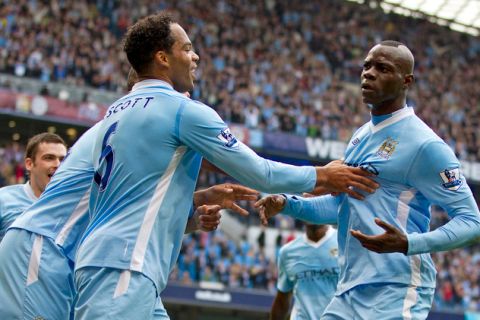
242,189
355,194
363,183
260,203
249,197
263,217
209,217
386,226
235,207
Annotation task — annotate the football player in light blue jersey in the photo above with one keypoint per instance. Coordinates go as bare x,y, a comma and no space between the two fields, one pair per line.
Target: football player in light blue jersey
43,155
147,156
415,169
308,270
38,254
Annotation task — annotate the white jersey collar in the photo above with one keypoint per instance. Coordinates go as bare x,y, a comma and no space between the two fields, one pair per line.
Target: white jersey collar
396,116
317,244
151,83
29,191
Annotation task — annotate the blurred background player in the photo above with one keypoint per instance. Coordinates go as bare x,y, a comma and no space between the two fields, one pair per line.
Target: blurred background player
415,169
139,210
43,155
308,271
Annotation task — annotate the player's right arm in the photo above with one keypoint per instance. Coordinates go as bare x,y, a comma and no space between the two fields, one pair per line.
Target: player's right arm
314,210
200,128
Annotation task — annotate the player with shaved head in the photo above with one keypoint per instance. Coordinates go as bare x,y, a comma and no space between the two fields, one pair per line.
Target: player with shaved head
415,168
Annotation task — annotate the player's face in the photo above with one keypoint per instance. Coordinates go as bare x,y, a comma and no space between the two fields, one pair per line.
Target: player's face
382,81
45,163
183,60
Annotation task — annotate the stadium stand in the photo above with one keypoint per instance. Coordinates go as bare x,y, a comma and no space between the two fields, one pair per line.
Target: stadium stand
295,71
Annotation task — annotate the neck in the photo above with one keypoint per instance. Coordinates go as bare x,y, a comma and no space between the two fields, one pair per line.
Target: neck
157,77
316,235
388,107
36,190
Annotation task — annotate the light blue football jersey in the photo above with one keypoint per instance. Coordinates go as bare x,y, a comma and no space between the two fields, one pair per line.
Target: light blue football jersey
61,212
415,169
14,200
309,269
147,158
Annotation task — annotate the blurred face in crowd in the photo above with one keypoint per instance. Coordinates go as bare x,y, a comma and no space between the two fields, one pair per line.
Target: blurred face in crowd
182,60
44,164
387,74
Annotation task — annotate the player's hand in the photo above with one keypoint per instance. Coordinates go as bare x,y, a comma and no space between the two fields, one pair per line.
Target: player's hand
269,207
337,177
393,240
225,196
207,218
319,191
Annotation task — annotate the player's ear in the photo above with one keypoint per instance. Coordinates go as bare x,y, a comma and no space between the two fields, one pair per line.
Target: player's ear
408,81
28,164
161,58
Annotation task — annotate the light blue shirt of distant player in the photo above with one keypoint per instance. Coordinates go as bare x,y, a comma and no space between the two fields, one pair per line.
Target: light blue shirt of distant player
415,169
309,269
61,212
14,200
147,157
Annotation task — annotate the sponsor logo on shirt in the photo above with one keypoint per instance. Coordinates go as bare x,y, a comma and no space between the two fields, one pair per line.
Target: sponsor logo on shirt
355,141
451,179
387,148
228,138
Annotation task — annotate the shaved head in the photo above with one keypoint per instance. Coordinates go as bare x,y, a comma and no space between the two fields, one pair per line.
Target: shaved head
403,56
386,77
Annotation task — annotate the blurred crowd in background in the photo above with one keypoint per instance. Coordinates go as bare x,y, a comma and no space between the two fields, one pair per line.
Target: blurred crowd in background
290,66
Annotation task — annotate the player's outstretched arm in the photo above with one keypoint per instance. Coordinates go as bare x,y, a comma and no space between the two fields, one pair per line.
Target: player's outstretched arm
280,305
205,218
393,240
269,207
337,177
225,195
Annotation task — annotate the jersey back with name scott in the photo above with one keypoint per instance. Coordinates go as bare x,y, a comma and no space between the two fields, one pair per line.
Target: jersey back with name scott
14,200
309,269
147,159
412,164
61,212
144,184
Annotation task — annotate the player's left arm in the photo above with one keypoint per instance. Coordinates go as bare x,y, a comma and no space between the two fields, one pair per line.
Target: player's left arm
436,174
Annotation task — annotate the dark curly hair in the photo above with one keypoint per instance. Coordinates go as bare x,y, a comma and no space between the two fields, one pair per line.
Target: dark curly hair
145,38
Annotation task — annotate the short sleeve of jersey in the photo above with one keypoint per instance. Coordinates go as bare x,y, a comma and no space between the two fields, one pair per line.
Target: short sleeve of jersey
436,174
200,128
283,282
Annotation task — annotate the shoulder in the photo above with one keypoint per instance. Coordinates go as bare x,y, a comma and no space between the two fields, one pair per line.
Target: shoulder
11,190
291,246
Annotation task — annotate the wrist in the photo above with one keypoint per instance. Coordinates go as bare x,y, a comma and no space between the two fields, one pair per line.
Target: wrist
321,176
